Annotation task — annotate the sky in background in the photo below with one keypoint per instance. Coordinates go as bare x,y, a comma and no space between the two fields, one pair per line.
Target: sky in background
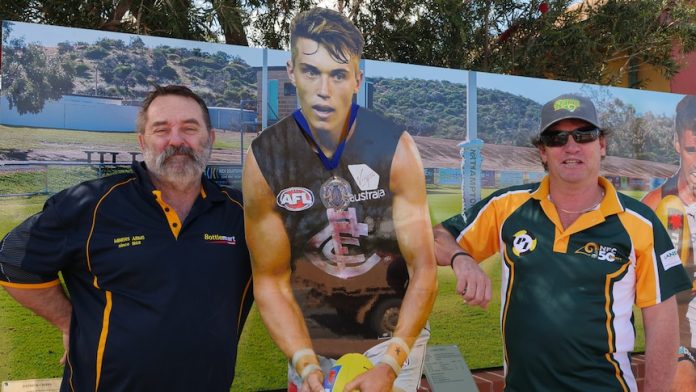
539,90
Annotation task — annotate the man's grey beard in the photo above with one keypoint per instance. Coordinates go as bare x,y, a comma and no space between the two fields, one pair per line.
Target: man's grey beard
181,172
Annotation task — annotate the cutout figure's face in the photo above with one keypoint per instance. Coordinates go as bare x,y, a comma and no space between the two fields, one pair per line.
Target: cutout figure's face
686,147
325,87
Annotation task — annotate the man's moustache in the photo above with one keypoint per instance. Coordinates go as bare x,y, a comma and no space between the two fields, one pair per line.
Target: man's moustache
177,150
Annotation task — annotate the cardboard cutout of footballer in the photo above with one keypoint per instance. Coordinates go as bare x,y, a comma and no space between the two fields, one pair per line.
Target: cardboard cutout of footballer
337,221
674,203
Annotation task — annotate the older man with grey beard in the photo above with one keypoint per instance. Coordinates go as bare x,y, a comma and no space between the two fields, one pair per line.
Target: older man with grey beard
140,254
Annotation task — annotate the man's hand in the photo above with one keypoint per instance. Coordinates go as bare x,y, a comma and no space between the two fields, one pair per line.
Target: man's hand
378,379
314,382
472,283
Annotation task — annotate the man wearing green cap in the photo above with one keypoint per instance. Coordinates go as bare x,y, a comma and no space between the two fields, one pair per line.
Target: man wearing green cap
576,256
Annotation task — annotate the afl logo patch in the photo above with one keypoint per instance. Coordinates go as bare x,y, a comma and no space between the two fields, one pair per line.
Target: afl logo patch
295,199
523,242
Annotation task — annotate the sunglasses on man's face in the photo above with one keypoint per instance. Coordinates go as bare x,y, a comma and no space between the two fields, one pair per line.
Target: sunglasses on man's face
557,138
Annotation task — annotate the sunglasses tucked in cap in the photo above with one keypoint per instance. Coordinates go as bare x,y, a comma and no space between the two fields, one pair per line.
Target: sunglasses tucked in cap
568,106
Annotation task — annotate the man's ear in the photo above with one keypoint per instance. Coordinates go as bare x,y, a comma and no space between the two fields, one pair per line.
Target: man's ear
676,143
290,67
542,153
359,79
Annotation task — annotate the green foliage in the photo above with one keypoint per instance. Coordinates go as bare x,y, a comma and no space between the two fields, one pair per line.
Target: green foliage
35,73
110,44
82,70
200,62
96,53
631,133
506,118
122,71
136,43
64,47
168,73
30,77
573,41
424,107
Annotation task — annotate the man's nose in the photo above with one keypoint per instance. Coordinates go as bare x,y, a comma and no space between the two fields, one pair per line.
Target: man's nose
176,138
571,144
325,87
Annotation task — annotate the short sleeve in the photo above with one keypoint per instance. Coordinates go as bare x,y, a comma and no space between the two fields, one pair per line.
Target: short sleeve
454,224
35,251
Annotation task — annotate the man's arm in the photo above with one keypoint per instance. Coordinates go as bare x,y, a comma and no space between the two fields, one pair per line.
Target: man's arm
49,303
652,198
472,283
661,343
414,234
269,247
415,237
31,255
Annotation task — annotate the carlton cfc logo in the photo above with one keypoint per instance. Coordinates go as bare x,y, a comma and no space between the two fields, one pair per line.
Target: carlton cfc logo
295,199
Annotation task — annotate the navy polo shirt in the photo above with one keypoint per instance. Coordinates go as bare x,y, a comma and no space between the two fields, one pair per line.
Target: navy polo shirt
158,303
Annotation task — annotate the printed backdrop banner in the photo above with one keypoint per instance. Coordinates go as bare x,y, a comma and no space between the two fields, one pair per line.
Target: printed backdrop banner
78,125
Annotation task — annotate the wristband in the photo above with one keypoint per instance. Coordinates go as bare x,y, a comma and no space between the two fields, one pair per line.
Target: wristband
303,359
399,342
391,362
396,354
454,256
309,369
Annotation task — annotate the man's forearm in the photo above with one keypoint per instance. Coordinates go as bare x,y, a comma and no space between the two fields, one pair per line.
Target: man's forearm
418,302
282,317
49,303
661,343
445,245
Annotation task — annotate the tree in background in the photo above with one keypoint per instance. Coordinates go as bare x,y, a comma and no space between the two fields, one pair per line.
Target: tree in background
546,39
558,39
30,78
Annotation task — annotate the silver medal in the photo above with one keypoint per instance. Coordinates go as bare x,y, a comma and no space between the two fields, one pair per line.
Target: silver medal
335,193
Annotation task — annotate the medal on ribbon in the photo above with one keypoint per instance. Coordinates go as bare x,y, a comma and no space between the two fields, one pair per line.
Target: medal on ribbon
335,193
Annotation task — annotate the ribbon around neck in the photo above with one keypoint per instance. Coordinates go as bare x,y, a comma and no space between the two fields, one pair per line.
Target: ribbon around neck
329,163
